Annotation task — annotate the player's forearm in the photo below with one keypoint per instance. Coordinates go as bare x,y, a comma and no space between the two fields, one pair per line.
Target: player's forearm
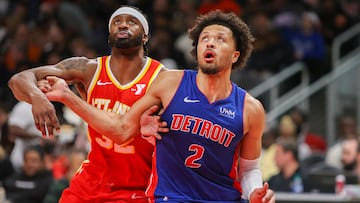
107,123
23,85
250,176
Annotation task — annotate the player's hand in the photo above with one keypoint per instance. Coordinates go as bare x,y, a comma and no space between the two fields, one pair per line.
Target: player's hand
44,112
262,195
151,124
57,90
44,85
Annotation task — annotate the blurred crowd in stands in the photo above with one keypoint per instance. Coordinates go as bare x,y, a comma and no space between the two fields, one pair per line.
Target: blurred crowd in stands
40,32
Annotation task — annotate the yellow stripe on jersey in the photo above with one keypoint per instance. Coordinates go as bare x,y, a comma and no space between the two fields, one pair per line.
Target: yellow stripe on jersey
156,72
94,79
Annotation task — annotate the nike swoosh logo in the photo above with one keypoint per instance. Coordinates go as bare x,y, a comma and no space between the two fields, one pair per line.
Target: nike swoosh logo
103,83
135,196
187,100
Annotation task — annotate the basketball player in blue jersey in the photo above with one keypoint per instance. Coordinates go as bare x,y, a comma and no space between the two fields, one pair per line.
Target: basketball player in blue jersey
210,149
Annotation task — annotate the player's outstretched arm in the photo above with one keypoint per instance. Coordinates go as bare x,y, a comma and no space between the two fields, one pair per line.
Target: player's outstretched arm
117,127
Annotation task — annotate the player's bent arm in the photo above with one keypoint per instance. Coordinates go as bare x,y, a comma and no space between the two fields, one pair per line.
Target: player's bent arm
24,84
24,87
118,128
254,123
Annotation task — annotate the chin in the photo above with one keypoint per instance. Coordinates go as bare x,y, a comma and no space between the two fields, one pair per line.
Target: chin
209,69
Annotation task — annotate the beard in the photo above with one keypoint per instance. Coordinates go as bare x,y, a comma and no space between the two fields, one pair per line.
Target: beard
125,43
209,69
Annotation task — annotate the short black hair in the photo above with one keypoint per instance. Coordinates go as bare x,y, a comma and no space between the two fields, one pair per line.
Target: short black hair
241,33
289,145
37,148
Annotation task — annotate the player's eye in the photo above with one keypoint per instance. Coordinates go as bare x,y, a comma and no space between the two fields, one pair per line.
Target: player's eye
117,22
204,38
132,22
220,39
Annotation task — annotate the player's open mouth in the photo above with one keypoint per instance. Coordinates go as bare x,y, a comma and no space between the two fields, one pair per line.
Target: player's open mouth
209,56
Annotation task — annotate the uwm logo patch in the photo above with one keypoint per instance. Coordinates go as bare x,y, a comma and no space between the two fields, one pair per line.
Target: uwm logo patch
227,112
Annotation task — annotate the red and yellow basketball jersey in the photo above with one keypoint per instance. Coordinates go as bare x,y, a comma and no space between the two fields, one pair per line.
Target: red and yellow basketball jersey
116,167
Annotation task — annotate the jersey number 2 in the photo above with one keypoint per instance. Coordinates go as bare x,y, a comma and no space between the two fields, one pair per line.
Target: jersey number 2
198,150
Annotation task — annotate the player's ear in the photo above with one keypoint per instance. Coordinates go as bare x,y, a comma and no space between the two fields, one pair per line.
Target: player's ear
235,57
145,39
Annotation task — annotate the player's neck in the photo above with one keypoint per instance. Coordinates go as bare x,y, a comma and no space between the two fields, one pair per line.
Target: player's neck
128,54
126,68
214,87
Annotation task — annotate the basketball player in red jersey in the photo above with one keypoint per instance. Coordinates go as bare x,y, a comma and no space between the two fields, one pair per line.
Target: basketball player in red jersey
113,172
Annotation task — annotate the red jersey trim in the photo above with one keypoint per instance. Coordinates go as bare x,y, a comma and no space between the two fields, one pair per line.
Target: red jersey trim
153,181
234,173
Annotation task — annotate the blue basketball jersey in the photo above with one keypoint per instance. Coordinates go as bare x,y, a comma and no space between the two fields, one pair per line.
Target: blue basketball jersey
197,160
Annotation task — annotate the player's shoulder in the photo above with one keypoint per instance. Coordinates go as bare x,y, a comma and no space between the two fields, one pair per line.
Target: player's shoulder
254,114
168,79
79,60
253,105
171,74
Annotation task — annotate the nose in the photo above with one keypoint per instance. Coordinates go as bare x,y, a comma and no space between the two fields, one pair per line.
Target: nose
210,44
123,24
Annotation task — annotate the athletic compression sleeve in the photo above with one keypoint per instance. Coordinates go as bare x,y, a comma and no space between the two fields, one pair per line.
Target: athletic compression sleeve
250,176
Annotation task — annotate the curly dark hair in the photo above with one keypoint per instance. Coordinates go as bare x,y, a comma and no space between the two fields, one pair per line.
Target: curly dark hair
240,30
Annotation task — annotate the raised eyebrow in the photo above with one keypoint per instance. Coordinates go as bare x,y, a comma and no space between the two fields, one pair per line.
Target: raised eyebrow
217,33
204,33
224,35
